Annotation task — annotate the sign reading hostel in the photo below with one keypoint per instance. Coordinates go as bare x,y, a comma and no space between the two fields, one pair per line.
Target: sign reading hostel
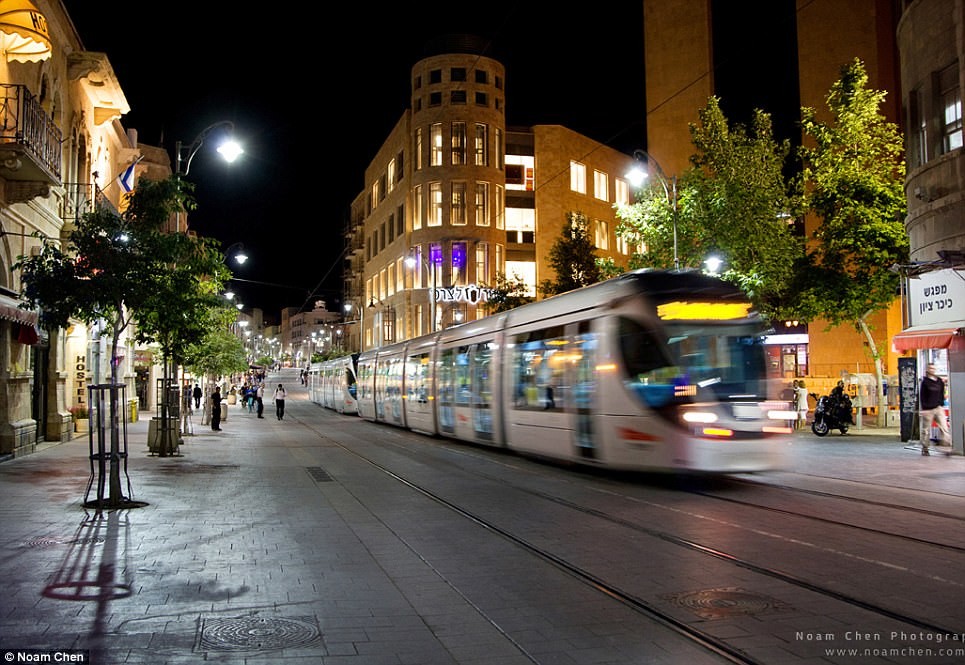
936,297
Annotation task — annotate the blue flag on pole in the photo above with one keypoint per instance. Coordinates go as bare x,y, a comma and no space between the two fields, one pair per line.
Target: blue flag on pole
127,177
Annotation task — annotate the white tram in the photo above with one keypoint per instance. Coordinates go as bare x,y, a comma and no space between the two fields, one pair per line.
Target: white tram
332,384
651,371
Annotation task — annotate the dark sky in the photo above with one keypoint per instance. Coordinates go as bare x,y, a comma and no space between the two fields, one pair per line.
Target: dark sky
313,96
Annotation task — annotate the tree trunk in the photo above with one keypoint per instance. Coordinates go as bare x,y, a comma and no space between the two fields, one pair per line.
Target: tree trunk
115,493
882,416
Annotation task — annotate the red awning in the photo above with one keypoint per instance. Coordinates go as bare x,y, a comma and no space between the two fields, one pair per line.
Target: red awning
11,312
926,337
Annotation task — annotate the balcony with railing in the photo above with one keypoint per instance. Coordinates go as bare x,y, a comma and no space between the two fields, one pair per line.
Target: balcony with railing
30,144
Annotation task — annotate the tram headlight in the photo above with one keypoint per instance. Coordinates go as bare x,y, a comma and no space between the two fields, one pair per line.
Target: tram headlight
699,417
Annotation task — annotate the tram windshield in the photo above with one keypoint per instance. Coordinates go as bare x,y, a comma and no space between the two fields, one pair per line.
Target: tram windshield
691,361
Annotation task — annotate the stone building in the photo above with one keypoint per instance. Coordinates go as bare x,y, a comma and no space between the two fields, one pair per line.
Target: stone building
62,148
455,197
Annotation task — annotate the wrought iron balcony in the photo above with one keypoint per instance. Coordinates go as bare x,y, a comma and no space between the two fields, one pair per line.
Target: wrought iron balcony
30,144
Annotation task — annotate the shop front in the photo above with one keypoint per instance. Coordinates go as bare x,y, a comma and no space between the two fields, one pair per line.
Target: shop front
936,336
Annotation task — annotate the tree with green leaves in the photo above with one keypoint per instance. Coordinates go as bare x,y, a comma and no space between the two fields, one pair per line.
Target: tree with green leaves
220,352
739,196
112,268
572,257
178,313
855,176
506,294
734,202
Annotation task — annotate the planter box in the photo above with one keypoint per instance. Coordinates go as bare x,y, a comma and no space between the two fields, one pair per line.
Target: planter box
154,431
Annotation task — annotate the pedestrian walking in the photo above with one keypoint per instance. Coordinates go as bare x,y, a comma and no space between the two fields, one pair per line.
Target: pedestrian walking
801,397
216,409
260,399
931,402
198,394
279,398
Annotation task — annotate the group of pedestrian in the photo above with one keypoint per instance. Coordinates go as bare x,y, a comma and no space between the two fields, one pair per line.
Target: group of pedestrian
252,398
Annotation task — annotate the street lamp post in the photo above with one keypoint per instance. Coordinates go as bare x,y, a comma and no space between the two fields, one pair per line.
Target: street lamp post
637,175
229,149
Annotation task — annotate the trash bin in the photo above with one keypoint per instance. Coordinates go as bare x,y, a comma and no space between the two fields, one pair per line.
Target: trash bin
224,412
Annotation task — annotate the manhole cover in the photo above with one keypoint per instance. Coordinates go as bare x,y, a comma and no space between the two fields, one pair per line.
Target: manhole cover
43,542
723,603
259,634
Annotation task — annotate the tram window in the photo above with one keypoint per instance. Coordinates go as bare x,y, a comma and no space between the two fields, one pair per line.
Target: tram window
417,378
462,376
481,374
641,349
539,369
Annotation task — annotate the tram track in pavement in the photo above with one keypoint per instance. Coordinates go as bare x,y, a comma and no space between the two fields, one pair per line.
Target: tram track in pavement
837,522
721,647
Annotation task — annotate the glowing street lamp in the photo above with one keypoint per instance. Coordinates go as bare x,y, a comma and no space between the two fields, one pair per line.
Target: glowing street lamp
638,174
229,149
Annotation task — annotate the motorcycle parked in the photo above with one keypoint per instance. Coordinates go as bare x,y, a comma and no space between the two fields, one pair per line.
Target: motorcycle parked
832,412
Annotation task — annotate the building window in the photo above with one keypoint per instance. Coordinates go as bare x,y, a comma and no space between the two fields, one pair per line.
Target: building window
499,83
457,96
520,171
390,176
435,76
482,76
458,143
482,263
601,234
500,208
457,74
435,144
457,213
399,165
500,153
481,144
418,149
520,225
951,100
435,99
622,191
400,220
417,83
601,185
391,228
418,214
578,177
435,204
459,263
500,258
416,254
482,204
435,265
482,99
